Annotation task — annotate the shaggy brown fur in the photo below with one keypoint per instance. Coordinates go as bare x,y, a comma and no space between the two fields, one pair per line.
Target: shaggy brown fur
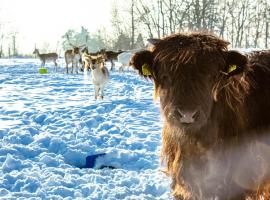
229,94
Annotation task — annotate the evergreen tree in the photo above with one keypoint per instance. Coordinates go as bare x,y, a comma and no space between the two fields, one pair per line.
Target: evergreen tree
139,42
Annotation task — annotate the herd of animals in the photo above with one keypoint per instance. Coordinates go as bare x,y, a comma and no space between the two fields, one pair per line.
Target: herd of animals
80,56
215,104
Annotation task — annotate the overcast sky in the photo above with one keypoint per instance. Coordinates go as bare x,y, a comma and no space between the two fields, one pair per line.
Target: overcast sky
39,21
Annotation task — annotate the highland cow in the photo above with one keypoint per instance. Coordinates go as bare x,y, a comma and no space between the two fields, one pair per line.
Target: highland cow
216,108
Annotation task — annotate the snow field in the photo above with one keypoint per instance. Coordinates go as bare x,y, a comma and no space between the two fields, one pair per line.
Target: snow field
50,123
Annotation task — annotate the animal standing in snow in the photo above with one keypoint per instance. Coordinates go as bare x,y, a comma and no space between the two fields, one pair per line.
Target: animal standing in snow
124,58
73,56
110,56
86,56
85,53
216,108
100,74
47,57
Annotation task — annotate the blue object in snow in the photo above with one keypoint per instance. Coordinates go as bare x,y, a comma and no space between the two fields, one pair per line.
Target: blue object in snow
91,160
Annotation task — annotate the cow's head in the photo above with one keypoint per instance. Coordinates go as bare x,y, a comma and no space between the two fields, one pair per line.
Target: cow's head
189,72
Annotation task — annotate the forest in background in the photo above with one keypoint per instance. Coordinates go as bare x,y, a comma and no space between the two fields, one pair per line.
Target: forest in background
244,23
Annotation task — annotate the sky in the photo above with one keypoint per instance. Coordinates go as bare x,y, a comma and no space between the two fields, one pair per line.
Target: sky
45,21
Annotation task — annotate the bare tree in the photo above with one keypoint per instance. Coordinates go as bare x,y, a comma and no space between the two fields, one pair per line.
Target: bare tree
132,24
1,44
117,24
14,44
245,23
146,17
267,18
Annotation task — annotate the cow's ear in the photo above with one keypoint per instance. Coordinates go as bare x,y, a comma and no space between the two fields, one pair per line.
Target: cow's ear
235,63
143,62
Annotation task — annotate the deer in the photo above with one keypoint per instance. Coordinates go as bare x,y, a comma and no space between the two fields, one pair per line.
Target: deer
86,57
73,56
46,57
100,74
111,56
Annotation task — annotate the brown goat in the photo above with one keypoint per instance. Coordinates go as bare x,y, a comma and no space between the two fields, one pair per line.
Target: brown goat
216,108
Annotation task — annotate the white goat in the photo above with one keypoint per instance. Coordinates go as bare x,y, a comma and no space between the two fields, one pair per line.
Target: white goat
100,74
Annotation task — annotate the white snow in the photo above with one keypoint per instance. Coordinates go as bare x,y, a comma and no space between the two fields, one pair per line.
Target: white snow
50,123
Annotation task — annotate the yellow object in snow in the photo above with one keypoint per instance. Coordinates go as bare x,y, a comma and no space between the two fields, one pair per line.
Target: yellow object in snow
145,70
43,71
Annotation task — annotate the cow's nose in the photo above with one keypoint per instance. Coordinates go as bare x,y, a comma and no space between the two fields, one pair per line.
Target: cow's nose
188,116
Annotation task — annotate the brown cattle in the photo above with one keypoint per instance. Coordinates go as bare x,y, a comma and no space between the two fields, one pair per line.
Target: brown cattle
216,108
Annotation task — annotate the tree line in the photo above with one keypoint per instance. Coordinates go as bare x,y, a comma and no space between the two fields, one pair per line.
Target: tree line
244,23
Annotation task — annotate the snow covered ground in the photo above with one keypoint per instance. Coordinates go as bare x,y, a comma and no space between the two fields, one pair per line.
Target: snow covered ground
50,123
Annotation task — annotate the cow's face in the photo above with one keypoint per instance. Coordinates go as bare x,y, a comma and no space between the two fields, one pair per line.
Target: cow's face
185,78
